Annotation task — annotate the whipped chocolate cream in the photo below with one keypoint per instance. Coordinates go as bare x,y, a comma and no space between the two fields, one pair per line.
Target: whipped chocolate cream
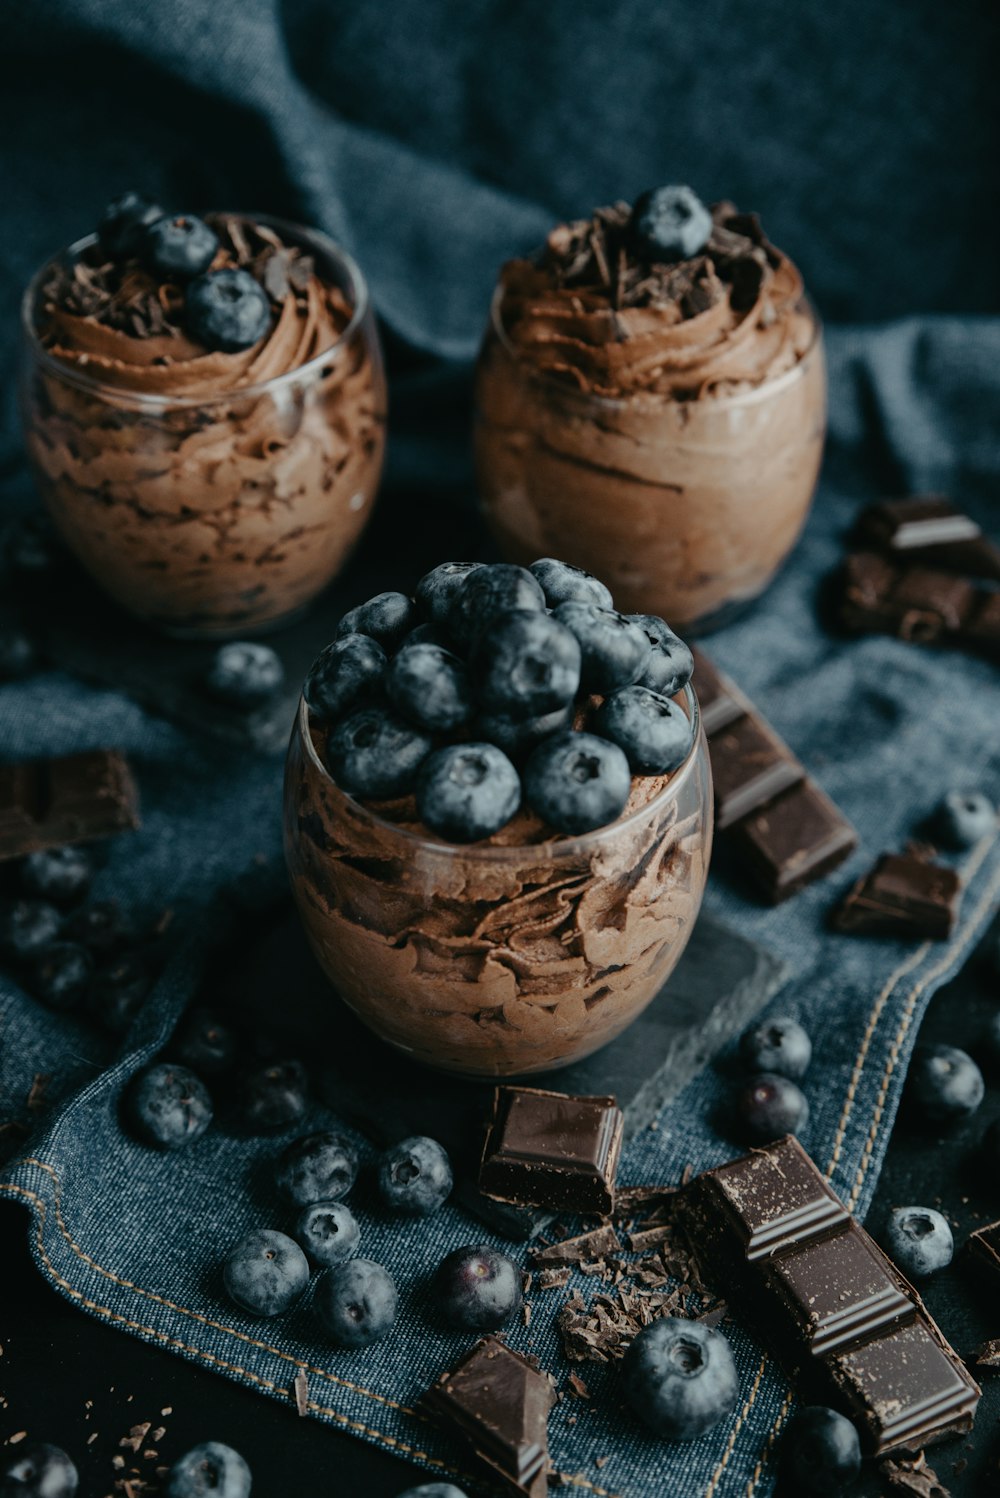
522,953
198,506
660,424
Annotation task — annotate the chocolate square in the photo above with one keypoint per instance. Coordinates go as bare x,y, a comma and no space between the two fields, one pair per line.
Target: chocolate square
750,766
903,895
717,699
45,803
795,839
546,1149
837,1290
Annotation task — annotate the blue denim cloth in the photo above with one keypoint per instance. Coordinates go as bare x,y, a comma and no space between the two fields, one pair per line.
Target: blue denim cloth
135,1237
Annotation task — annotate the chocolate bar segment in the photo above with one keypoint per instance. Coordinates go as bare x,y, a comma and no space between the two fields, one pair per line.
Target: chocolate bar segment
903,895
717,698
550,1150
795,840
848,1329
499,1403
919,604
928,528
983,1248
47,803
750,766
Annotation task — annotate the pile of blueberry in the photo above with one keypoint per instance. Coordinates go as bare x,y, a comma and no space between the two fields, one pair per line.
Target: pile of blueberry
468,695
72,954
225,310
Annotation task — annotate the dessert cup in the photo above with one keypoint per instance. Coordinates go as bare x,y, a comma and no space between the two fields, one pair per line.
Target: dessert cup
684,499
223,507
505,957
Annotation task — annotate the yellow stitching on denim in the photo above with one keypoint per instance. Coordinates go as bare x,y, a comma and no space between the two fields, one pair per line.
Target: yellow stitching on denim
748,1403
107,1313
768,1447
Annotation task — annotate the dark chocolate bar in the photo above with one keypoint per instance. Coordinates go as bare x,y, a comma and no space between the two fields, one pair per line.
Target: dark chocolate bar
782,826
984,1248
46,803
928,528
848,1329
550,1150
499,1403
923,605
903,895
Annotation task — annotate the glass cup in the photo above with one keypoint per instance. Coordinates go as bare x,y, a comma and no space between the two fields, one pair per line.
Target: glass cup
218,515
686,508
493,960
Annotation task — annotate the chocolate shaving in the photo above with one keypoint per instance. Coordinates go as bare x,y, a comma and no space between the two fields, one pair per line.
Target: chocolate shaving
300,1386
39,1086
586,1246
553,1279
988,1355
578,1386
914,1476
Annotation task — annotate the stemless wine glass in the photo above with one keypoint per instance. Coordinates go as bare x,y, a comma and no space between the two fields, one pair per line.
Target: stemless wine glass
684,507
218,514
493,960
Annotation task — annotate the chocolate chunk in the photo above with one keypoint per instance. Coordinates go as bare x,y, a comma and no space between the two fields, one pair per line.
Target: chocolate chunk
46,803
797,838
593,1245
928,528
983,1249
546,1149
750,766
717,699
840,1318
499,1403
919,604
903,895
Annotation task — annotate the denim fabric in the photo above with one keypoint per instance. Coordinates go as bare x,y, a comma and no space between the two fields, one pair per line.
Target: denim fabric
135,1237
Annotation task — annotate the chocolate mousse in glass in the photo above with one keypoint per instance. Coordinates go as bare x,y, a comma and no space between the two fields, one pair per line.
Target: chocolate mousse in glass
494,942
651,404
212,477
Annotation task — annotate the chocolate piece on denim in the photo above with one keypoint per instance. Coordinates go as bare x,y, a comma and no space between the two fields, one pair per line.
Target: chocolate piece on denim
546,1149
796,839
846,1326
920,604
750,766
928,528
983,1248
498,1403
718,700
45,803
903,895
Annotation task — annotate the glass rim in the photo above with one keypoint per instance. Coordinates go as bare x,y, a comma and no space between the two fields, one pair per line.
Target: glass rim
119,395
618,403
559,846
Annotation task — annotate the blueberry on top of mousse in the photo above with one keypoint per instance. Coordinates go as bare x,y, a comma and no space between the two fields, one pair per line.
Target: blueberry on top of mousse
436,589
526,665
467,791
488,592
670,223
614,649
577,782
562,583
227,310
179,246
124,223
429,685
387,617
375,754
670,665
342,675
653,731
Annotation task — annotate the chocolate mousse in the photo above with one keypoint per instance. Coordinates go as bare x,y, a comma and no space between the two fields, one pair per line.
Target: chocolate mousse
511,950
653,413
211,480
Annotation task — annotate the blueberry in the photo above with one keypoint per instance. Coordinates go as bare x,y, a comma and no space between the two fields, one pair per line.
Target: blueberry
274,1097
919,1240
780,1046
179,247
944,1084
386,618
963,818
415,1176
227,310
429,686
478,1289
615,650
18,657
654,732
317,1168
670,665
437,588
373,753
169,1106
434,1490
526,665
576,782
347,671
205,1043
118,991
61,875
562,583
821,1452
328,1232
38,1470
356,1302
100,926
211,1470
27,927
518,736
670,223
488,592
769,1106
429,634
467,791
680,1378
244,674
61,975
123,225
266,1272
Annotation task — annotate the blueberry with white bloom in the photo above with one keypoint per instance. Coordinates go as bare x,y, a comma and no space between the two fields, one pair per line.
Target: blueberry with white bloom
778,1045
562,583
38,1470
466,792
265,1272
919,1240
211,1470
821,1452
670,223
343,675
963,818
227,310
328,1231
488,593
61,875
652,730
526,665
170,1107
27,927
577,781
244,673
415,1176
670,665
944,1084
319,1167
614,650
373,753
356,1302
436,590
518,736
434,1490
179,246
429,685
680,1378
387,617
769,1106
